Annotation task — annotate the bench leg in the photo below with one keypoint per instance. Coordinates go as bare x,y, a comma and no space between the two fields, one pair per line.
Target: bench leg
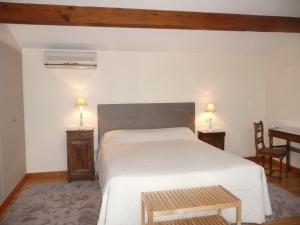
150,218
239,215
143,213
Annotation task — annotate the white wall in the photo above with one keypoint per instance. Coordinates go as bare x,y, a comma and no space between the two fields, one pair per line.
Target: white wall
12,138
234,82
283,92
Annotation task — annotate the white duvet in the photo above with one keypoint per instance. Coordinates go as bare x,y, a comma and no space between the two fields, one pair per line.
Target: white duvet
129,168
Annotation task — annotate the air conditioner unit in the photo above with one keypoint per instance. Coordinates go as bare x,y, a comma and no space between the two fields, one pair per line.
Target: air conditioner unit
70,59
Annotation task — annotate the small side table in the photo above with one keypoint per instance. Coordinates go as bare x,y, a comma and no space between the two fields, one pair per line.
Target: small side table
80,148
215,138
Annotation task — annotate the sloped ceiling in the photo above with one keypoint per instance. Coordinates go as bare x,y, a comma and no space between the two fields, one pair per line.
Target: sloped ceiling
60,37
7,38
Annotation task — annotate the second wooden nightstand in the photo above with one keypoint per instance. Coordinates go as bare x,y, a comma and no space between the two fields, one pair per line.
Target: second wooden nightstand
215,138
80,154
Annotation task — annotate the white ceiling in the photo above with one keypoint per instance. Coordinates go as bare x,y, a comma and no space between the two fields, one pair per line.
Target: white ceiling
259,7
36,36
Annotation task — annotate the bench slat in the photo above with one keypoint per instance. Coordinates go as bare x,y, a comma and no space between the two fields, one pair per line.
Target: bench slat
205,220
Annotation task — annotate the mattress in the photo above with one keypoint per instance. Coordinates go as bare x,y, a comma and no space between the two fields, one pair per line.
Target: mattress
128,168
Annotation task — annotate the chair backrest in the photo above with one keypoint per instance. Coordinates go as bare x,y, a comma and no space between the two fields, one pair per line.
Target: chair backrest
259,136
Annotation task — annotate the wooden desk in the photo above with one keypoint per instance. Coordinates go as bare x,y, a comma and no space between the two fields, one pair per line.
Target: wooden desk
290,134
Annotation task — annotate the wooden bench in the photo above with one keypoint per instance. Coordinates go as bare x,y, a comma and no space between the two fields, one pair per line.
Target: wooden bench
172,202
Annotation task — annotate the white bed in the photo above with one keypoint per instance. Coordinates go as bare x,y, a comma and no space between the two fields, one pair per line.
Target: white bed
148,160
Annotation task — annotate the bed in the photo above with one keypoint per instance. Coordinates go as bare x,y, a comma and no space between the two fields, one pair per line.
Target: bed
150,147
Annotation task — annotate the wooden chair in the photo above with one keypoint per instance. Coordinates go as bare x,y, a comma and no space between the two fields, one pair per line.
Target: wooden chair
279,151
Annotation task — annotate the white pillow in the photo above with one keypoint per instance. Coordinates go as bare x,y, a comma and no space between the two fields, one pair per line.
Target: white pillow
144,135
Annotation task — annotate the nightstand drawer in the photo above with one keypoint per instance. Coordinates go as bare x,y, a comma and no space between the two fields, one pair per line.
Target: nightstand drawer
216,139
82,135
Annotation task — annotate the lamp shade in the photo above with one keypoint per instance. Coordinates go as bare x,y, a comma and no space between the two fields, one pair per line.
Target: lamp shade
80,102
210,108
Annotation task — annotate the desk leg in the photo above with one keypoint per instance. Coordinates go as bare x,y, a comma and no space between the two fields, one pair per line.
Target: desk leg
239,215
288,143
143,213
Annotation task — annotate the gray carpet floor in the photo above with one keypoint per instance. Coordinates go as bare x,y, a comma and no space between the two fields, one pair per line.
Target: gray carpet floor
78,203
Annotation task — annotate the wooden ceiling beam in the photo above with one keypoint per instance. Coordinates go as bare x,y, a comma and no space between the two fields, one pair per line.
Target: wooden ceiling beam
42,14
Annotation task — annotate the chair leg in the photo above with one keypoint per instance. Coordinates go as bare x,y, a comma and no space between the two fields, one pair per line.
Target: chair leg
270,165
280,171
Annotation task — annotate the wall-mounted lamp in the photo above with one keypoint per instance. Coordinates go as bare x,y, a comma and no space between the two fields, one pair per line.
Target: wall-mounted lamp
210,108
81,102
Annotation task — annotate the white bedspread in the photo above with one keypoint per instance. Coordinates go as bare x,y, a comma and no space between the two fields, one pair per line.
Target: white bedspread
127,169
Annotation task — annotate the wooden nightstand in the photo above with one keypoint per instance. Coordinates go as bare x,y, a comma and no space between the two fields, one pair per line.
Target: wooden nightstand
80,147
216,138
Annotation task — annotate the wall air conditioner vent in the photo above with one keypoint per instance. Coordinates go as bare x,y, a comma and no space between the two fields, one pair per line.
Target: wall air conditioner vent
70,59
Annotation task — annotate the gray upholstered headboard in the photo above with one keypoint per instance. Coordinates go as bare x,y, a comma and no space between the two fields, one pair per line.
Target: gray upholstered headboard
144,116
